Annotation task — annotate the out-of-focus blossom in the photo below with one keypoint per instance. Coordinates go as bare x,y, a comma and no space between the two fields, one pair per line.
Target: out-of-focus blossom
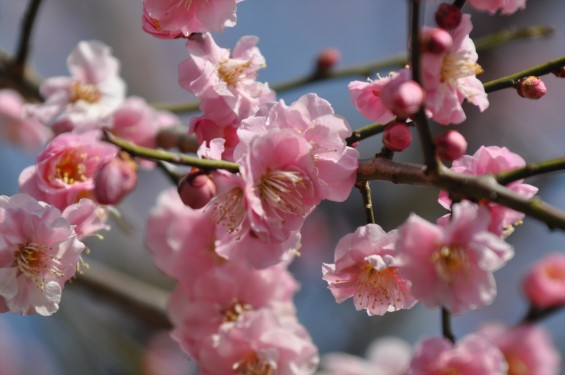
493,6
225,82
451,265
544,284
450,77
162,356
451,145
115,179
448,16
366,268
17,126
180,18
39,251
493,160
527,348
82,101
87,217
66,169
474,355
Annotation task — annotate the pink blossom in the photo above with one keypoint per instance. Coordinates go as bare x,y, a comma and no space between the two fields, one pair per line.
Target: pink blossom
87,217
451,265
225,82
504,6
450,77
115,179
65,170
493,160
180,18
17,126
366,269
262,342
527,348
473,355
39,251
206,130
544,284
93,91
162,355
366,97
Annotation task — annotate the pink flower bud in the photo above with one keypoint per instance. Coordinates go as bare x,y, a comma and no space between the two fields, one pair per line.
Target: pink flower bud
448,16
196,189
436,41
397,136
402,97
116,177
531,87
326,60
451,145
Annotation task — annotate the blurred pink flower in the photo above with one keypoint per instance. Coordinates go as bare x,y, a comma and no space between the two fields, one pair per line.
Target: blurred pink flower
474,355
39,251
544,284
504,6
180,18
366,269
87,217
451,265
527,348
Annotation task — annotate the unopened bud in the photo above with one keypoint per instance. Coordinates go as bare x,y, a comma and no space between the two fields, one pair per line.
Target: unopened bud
448,16
397,137
196,189
436,41
326,60
403,98
560,73
451,145
531,87
116,177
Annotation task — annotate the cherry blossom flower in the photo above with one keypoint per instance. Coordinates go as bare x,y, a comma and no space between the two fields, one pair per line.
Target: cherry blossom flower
225,82
93,91
180,18
65,170
366,97
366,269
527,348
39,251
493,160
504,6
87,217
451,265
544,284
206,130
17,126
450,77
474,355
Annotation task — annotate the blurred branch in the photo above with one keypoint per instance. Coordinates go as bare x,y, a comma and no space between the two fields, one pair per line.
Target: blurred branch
20,60
535,314
530,170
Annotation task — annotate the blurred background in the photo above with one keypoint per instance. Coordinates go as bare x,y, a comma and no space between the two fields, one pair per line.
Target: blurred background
89,335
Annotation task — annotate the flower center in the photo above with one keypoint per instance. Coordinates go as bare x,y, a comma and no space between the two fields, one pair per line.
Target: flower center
456,66
516,365
70,168
555,274
378,288
84,91
450,261
235,310
33,261
283,190
251,364
232,70
228,209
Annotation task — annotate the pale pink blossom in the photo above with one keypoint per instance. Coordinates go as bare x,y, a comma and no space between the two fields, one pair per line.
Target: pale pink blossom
366,97
17,126
162,356
474,355
450,77
180,18
115,179
451,265
527,348
544,284
366,268
206,130
39,251
504,6
493,160
87,217
93,91
262,342
65,170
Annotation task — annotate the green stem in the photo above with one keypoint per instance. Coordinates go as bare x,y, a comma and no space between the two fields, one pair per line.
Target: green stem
510,80
174,158
365,190
366,132
530,170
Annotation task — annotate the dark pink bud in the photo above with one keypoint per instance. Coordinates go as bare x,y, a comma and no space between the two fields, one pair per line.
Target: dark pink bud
403,98
397,137
436,41
196,189
560,73
116,177
531,87
448,16
451,145
326,60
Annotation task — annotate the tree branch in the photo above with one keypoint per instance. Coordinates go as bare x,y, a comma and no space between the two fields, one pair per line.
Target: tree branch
530,170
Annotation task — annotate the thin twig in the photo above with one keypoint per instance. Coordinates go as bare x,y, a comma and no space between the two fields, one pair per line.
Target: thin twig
446,325
530,170
24,42
365,190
